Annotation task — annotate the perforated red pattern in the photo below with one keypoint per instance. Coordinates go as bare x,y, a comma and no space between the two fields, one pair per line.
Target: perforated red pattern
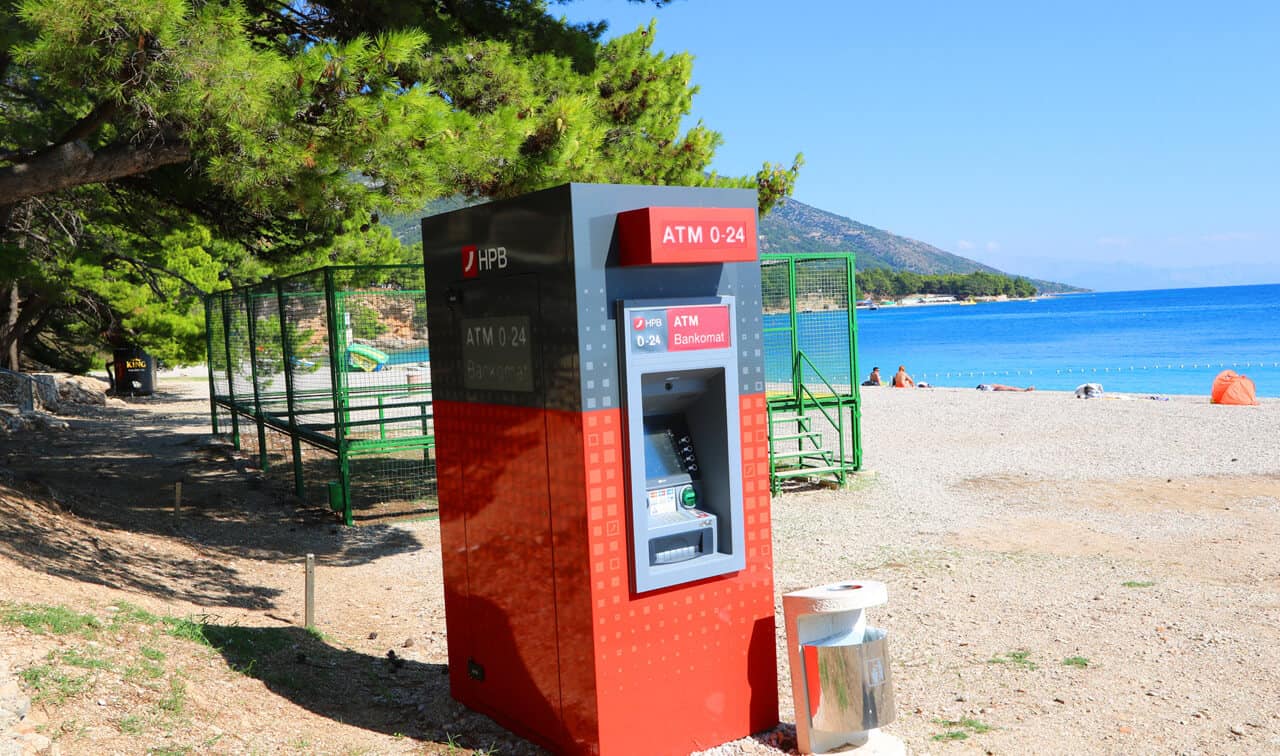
694,665
670,671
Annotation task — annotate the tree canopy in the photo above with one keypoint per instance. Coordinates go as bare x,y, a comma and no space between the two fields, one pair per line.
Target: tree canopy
152,150
885,283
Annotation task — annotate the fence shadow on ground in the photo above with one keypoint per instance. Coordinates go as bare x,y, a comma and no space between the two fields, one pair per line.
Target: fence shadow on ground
86,499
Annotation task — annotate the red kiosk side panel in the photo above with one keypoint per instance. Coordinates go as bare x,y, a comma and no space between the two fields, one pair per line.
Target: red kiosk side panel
496,541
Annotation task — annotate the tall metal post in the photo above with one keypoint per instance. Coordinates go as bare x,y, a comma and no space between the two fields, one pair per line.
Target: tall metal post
231,383
252,315
336,366
208,358
856,412
286,351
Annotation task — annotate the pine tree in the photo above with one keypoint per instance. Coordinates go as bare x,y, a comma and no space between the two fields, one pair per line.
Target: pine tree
154,149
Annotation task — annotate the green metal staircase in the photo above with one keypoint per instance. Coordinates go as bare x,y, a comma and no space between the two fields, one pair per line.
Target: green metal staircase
815,431
808,434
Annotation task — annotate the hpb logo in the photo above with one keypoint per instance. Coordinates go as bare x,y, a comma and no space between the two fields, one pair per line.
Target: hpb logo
475,259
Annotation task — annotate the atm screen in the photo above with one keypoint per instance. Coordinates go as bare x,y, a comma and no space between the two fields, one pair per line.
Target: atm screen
663,455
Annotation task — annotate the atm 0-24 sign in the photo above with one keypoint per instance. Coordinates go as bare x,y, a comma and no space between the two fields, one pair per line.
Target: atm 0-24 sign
685,235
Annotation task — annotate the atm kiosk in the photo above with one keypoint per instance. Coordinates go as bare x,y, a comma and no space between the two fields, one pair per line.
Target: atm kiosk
602,461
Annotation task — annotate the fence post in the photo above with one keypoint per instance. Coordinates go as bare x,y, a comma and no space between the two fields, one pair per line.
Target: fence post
231,383
309,611
855,412
286,356
208,358
337,364
251,313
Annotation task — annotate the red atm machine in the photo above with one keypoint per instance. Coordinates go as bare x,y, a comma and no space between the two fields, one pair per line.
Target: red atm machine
602,455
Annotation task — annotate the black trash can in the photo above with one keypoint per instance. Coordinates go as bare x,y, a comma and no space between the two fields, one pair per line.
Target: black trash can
133,372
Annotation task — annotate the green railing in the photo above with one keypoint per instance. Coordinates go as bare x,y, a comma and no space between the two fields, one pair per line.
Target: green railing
331,369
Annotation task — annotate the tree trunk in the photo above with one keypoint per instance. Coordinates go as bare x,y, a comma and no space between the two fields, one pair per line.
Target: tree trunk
11,327
74,164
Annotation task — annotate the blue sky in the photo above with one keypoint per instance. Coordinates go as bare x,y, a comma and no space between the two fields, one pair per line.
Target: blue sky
1117,145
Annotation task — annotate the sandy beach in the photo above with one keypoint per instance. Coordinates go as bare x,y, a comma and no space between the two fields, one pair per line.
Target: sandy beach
1140,536
1137,540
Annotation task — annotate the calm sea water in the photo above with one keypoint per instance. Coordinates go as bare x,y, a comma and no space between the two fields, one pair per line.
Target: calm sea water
1164,342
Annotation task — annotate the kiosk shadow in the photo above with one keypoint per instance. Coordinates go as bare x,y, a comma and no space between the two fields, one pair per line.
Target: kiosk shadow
390,694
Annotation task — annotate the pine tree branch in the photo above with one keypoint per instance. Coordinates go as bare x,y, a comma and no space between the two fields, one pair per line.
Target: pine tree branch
74,164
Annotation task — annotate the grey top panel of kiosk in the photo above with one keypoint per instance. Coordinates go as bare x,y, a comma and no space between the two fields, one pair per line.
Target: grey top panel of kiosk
601,282
566,238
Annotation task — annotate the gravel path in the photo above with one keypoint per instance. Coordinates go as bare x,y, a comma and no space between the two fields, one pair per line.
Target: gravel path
1065,576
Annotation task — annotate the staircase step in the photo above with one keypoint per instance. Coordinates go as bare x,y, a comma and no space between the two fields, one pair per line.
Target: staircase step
796,436
824,454
807,472
806,419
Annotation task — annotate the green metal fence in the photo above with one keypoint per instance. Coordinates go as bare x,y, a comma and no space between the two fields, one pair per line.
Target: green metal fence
324,377
810,332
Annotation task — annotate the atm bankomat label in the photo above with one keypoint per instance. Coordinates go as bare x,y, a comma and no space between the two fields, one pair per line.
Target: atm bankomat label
681,329
496,354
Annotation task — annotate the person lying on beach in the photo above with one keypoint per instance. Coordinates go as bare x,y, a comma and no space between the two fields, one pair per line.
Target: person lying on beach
874,379
1002,387
901,379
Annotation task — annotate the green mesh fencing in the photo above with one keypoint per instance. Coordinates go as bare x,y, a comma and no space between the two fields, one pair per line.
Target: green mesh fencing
324,377
811,370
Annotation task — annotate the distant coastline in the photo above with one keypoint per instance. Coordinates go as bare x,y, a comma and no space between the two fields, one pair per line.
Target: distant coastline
930,300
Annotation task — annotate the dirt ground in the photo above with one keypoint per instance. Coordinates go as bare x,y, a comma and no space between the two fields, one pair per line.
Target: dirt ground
1076,621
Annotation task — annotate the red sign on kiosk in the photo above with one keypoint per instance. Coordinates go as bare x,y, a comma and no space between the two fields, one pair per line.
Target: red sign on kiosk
683,235
701,327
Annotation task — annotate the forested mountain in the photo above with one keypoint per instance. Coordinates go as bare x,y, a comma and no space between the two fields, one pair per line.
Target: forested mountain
796,227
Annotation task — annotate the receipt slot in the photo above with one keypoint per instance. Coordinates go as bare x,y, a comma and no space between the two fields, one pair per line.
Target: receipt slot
602,461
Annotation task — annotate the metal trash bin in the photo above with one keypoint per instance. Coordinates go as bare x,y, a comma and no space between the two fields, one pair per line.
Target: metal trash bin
848,682
840,679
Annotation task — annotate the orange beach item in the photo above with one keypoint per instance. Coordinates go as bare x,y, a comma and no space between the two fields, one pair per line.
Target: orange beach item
1232,388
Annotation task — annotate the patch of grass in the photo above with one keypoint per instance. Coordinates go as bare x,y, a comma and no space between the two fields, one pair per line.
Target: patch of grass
1137,584
1075,661
154,654
55,620
52,685
1021,658
131,725
128,614
187,629
965,723
84,661
175,701
959,729
143,670
169,751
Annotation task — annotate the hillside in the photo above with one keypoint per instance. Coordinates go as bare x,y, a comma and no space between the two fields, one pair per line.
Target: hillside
796,227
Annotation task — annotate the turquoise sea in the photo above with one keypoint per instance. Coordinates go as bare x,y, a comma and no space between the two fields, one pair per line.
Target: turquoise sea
1170,341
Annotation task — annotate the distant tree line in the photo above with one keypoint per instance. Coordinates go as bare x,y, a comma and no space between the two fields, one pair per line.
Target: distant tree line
883,283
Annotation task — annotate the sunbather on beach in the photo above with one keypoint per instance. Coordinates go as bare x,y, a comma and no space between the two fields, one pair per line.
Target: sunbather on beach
901,379
874,379
1002,387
